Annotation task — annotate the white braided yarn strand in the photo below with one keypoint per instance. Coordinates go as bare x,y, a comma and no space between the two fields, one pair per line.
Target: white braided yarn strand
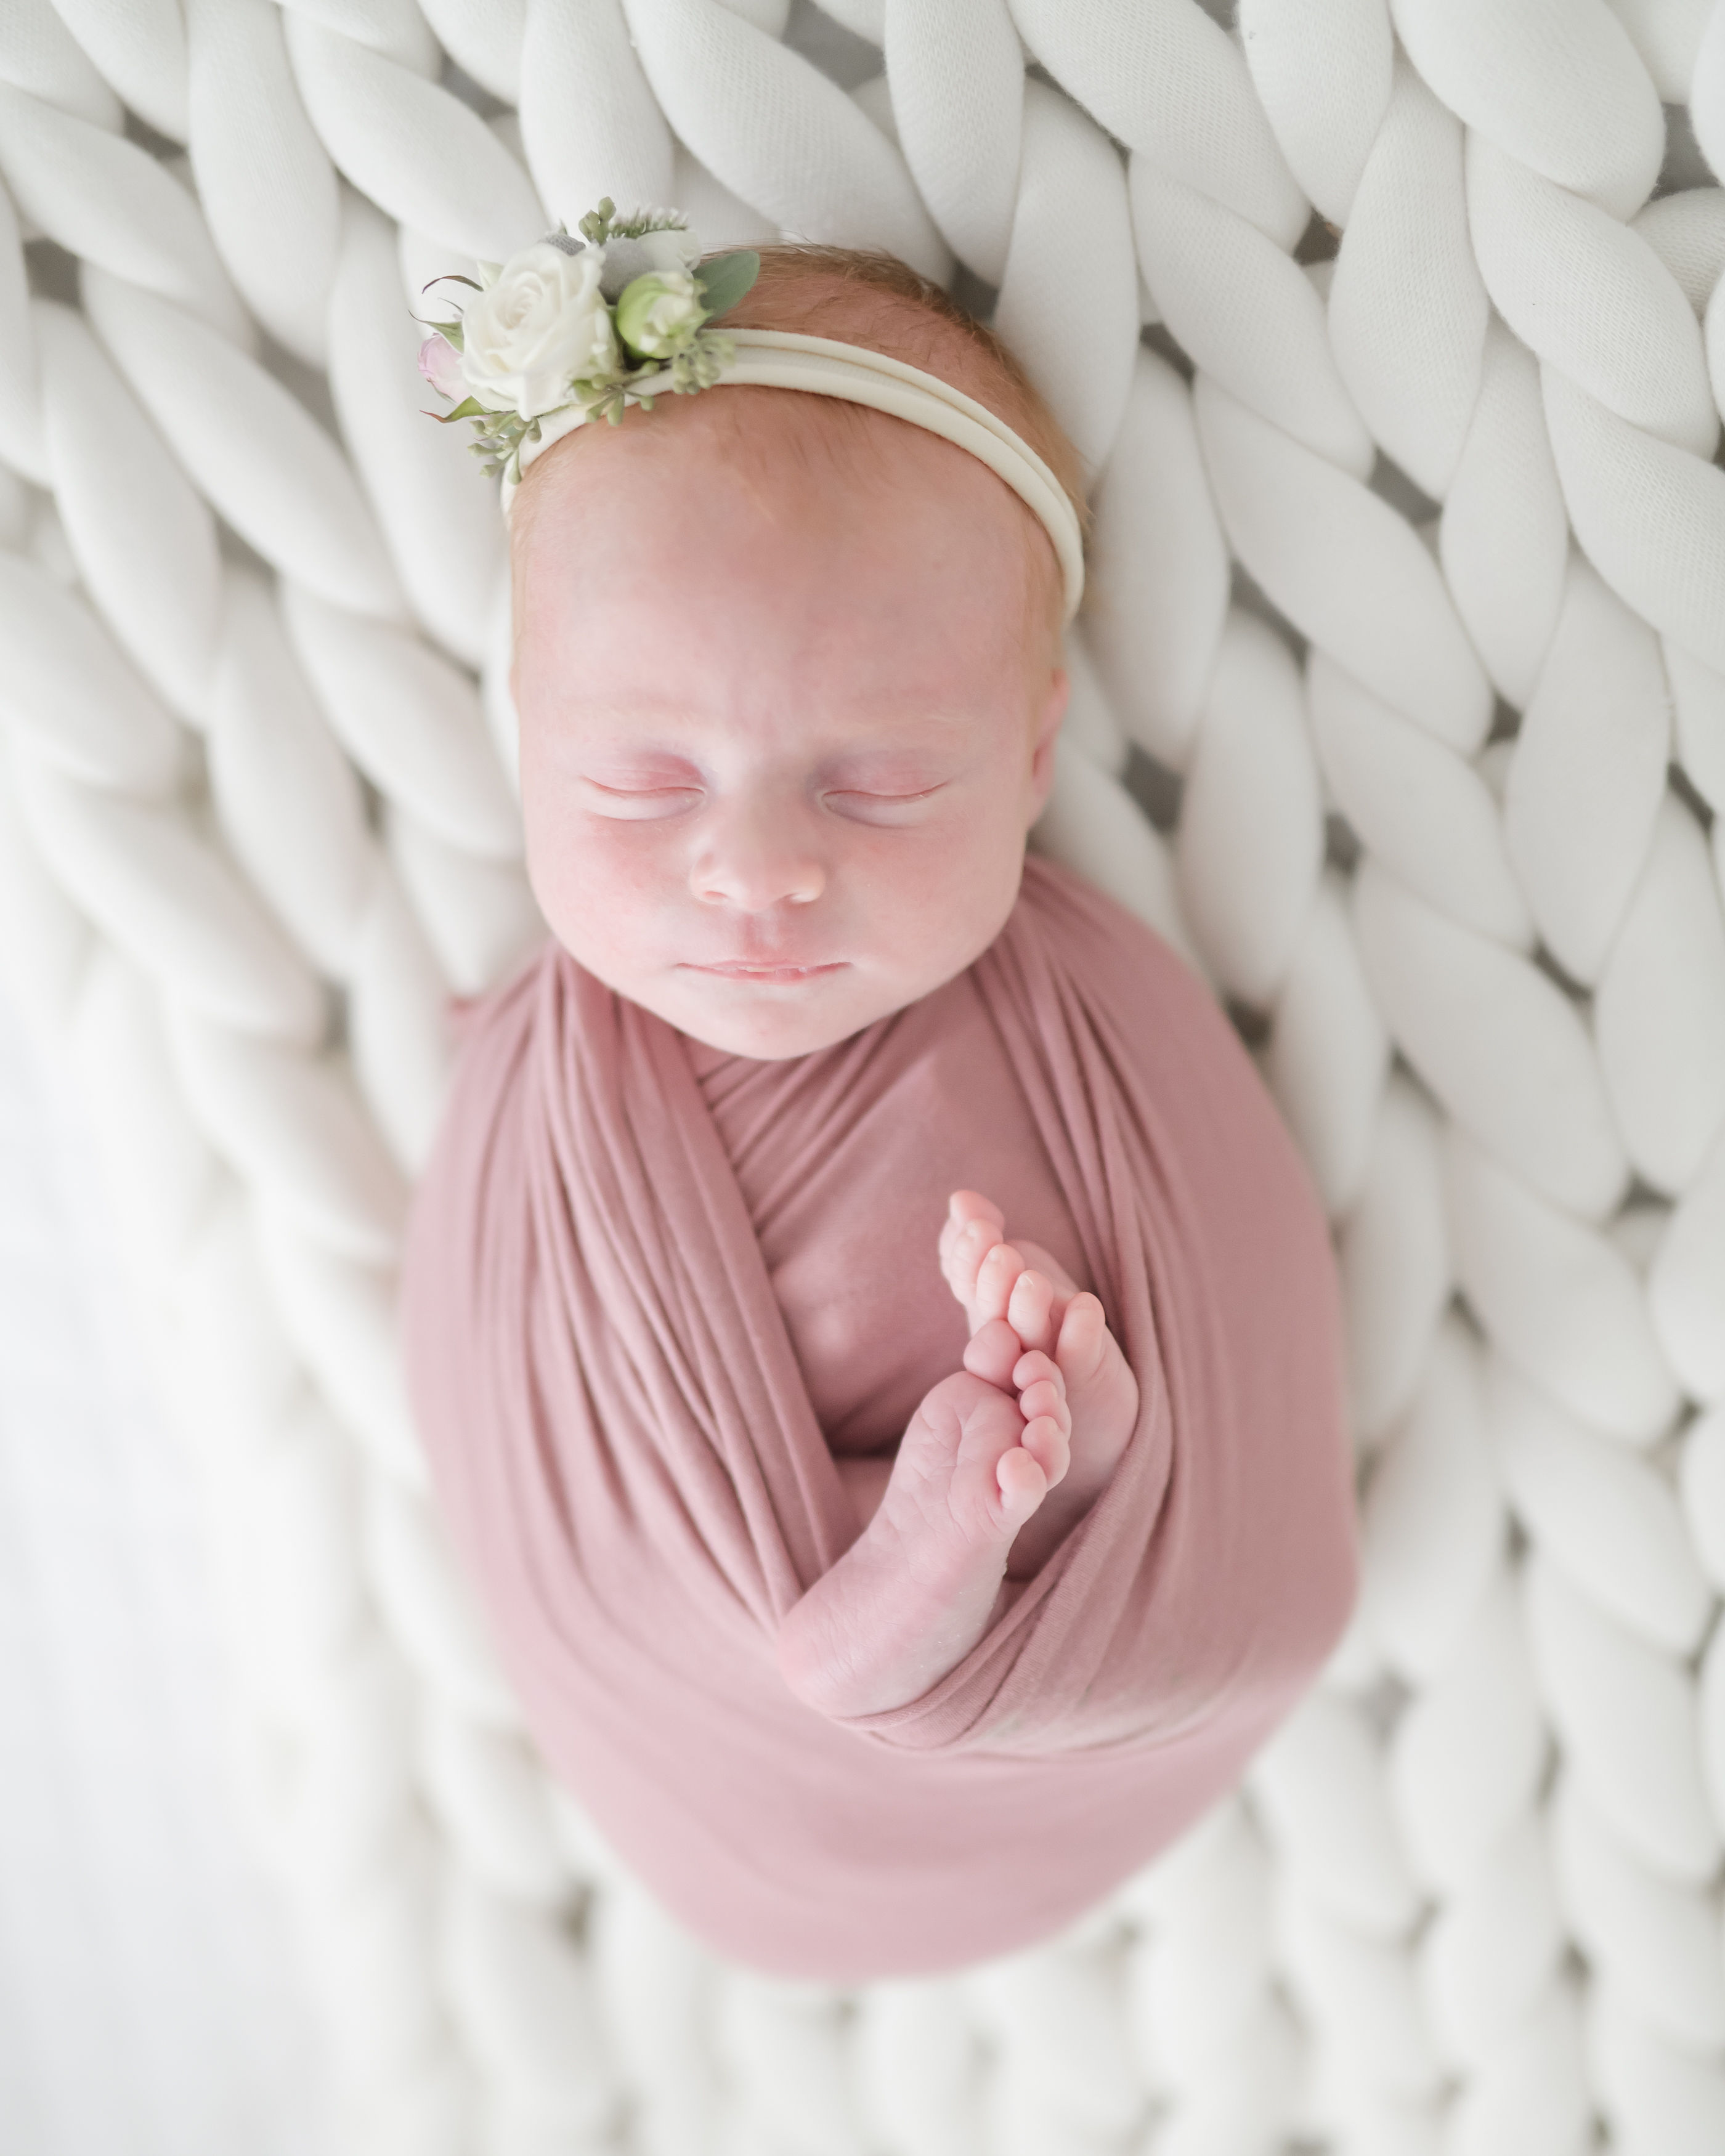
1406,622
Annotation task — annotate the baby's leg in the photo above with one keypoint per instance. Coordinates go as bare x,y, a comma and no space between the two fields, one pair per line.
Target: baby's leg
1017,1297
923,1581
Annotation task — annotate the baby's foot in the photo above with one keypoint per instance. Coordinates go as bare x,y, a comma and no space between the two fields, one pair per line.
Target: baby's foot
922,1583
1018,1298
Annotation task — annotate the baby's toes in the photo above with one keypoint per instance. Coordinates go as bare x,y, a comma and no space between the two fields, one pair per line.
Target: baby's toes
1046,1398
964,1243
1101,1388
996,1277
1036,1367
961,1249
1029,1309
1047,1441
993,1353
963,1205
1084,1342
1023,1482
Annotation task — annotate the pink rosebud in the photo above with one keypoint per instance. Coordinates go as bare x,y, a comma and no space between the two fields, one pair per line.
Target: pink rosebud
440,363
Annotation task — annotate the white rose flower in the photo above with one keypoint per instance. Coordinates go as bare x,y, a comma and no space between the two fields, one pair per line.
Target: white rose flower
540,320
670,251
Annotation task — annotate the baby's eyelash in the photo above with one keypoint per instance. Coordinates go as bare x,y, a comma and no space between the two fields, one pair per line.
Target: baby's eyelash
639,804
836,792
862,793
635,793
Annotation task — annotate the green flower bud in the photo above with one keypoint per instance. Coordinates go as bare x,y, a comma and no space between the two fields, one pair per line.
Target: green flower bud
659,312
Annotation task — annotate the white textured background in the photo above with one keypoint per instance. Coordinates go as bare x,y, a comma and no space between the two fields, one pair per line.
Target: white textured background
1403,367
148,1992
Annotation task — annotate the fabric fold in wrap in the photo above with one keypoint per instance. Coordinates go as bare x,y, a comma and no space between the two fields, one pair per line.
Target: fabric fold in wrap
623,1446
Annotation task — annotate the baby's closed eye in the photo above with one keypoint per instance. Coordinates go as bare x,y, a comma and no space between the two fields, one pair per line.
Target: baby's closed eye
631,802
881,806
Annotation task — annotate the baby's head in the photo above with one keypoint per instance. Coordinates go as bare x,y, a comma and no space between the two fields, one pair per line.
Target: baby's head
788,671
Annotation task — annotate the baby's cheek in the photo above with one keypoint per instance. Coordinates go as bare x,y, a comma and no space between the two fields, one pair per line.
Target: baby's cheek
601,884
943,900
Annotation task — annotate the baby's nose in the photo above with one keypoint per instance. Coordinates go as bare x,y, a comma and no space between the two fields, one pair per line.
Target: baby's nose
756,886
755,860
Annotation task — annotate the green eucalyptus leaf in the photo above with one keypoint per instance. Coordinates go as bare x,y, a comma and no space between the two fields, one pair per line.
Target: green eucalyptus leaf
451,277
724,280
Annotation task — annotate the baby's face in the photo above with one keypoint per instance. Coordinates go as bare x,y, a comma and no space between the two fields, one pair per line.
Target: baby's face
782,733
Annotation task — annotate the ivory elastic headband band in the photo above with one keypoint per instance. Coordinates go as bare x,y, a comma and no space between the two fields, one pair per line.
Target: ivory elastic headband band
777,359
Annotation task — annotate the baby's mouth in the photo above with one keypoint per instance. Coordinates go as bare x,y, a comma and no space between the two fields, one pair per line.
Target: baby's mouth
753,970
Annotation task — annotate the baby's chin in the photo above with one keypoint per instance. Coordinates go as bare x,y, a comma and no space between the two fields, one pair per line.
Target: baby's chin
768,1021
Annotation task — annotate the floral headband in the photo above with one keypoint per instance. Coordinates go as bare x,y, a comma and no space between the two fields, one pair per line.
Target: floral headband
573,330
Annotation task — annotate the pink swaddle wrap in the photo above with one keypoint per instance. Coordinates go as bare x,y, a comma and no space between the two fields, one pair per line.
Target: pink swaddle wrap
623,1447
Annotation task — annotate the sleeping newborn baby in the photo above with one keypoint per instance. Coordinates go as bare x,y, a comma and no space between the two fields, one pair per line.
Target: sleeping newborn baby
876,1347
788,679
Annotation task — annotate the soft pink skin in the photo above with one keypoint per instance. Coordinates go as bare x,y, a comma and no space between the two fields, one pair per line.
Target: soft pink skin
997,1465
768,716
764,665
1018,1299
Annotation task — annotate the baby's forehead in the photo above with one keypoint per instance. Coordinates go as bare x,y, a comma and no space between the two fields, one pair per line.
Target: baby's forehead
782,439
784,457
